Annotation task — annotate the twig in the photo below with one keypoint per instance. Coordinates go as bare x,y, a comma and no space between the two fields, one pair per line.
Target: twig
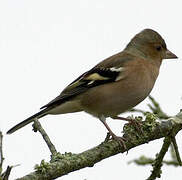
1,152
5,175
148,161
156,109
173,154
37,127
176,160
175,146
156,172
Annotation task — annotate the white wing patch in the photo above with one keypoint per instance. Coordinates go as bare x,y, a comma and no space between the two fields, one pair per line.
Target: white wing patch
117,69
91,82
120,75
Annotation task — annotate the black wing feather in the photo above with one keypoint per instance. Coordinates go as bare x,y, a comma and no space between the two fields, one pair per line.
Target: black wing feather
84,84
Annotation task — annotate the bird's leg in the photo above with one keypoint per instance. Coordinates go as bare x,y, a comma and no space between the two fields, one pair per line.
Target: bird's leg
120,140
135,123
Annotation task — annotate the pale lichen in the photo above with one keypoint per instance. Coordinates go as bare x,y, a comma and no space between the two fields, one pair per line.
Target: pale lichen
65,156
150,122
43,167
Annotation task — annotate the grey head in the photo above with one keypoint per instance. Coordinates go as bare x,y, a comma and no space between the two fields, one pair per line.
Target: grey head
149,44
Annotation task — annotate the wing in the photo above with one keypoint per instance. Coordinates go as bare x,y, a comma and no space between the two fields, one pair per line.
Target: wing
110,70
95,77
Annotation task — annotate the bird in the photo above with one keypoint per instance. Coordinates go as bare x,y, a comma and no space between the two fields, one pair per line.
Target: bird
113,86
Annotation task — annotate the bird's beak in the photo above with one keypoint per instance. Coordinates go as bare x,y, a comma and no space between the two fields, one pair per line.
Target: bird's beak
170,55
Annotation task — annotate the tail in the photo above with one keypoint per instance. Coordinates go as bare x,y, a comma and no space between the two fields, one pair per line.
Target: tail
28,120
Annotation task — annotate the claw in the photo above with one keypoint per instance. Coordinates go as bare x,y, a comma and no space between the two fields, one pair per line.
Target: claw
120,140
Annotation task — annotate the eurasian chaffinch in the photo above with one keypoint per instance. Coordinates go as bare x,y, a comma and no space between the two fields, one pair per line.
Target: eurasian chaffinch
113,86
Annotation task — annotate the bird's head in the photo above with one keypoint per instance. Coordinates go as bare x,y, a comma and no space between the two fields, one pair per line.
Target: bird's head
150,45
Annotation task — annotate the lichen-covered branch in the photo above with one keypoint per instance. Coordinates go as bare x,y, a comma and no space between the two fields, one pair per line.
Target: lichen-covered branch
62,164
156,172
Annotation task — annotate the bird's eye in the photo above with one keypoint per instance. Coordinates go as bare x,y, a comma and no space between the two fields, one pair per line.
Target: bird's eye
158,48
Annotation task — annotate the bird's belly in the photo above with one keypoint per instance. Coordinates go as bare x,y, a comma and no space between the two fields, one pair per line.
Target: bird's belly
115,101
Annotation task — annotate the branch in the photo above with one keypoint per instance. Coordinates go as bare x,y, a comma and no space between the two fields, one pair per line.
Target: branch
62,164
1,151
143,160
156,172
37,127
6,173
175,147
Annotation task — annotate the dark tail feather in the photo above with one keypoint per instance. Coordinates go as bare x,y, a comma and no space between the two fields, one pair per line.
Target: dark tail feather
28,120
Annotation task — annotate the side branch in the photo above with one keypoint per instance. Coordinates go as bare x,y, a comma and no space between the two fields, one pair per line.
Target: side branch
1,151
37,127
156,172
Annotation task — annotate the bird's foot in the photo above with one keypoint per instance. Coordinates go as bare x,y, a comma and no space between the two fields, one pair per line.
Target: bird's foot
119,139
133,122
